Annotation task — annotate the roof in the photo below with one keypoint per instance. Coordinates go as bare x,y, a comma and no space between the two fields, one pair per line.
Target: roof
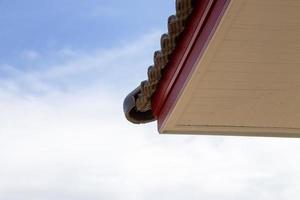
138,105
232,71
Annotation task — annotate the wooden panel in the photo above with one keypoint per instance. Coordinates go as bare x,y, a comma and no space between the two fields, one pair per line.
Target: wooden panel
198,31
247,82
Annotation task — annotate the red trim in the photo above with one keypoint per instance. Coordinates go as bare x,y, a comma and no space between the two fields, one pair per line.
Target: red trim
198,33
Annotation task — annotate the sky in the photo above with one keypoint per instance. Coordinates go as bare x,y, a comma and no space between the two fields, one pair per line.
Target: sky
65,68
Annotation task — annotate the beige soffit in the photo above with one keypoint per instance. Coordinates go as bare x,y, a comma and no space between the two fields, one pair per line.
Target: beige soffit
247,82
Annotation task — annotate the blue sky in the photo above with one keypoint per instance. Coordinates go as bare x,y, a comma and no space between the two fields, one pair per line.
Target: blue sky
47,26
65,68
39,36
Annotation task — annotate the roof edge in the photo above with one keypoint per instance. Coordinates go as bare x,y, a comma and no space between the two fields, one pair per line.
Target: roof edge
172,86
131,112
137,105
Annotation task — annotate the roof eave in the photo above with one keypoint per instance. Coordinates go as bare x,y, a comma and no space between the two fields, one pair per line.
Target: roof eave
131,112
138,104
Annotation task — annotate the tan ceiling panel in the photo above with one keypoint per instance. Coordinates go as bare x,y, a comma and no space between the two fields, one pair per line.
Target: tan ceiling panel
247,82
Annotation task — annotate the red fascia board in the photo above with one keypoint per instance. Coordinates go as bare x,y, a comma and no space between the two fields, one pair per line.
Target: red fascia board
195,38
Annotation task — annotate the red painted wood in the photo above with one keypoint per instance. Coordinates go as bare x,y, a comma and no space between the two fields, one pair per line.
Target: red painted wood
173,68
196,37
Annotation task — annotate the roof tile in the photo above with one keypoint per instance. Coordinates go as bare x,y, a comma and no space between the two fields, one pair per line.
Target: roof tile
142,95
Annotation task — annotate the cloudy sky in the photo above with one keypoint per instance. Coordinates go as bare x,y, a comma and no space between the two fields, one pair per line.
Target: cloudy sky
65,67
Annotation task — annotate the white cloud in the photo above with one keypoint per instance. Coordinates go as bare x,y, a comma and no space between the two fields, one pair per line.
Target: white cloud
77,145
67,52
78,67
30,55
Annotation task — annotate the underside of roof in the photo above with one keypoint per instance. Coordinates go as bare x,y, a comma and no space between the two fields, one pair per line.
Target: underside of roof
137,105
